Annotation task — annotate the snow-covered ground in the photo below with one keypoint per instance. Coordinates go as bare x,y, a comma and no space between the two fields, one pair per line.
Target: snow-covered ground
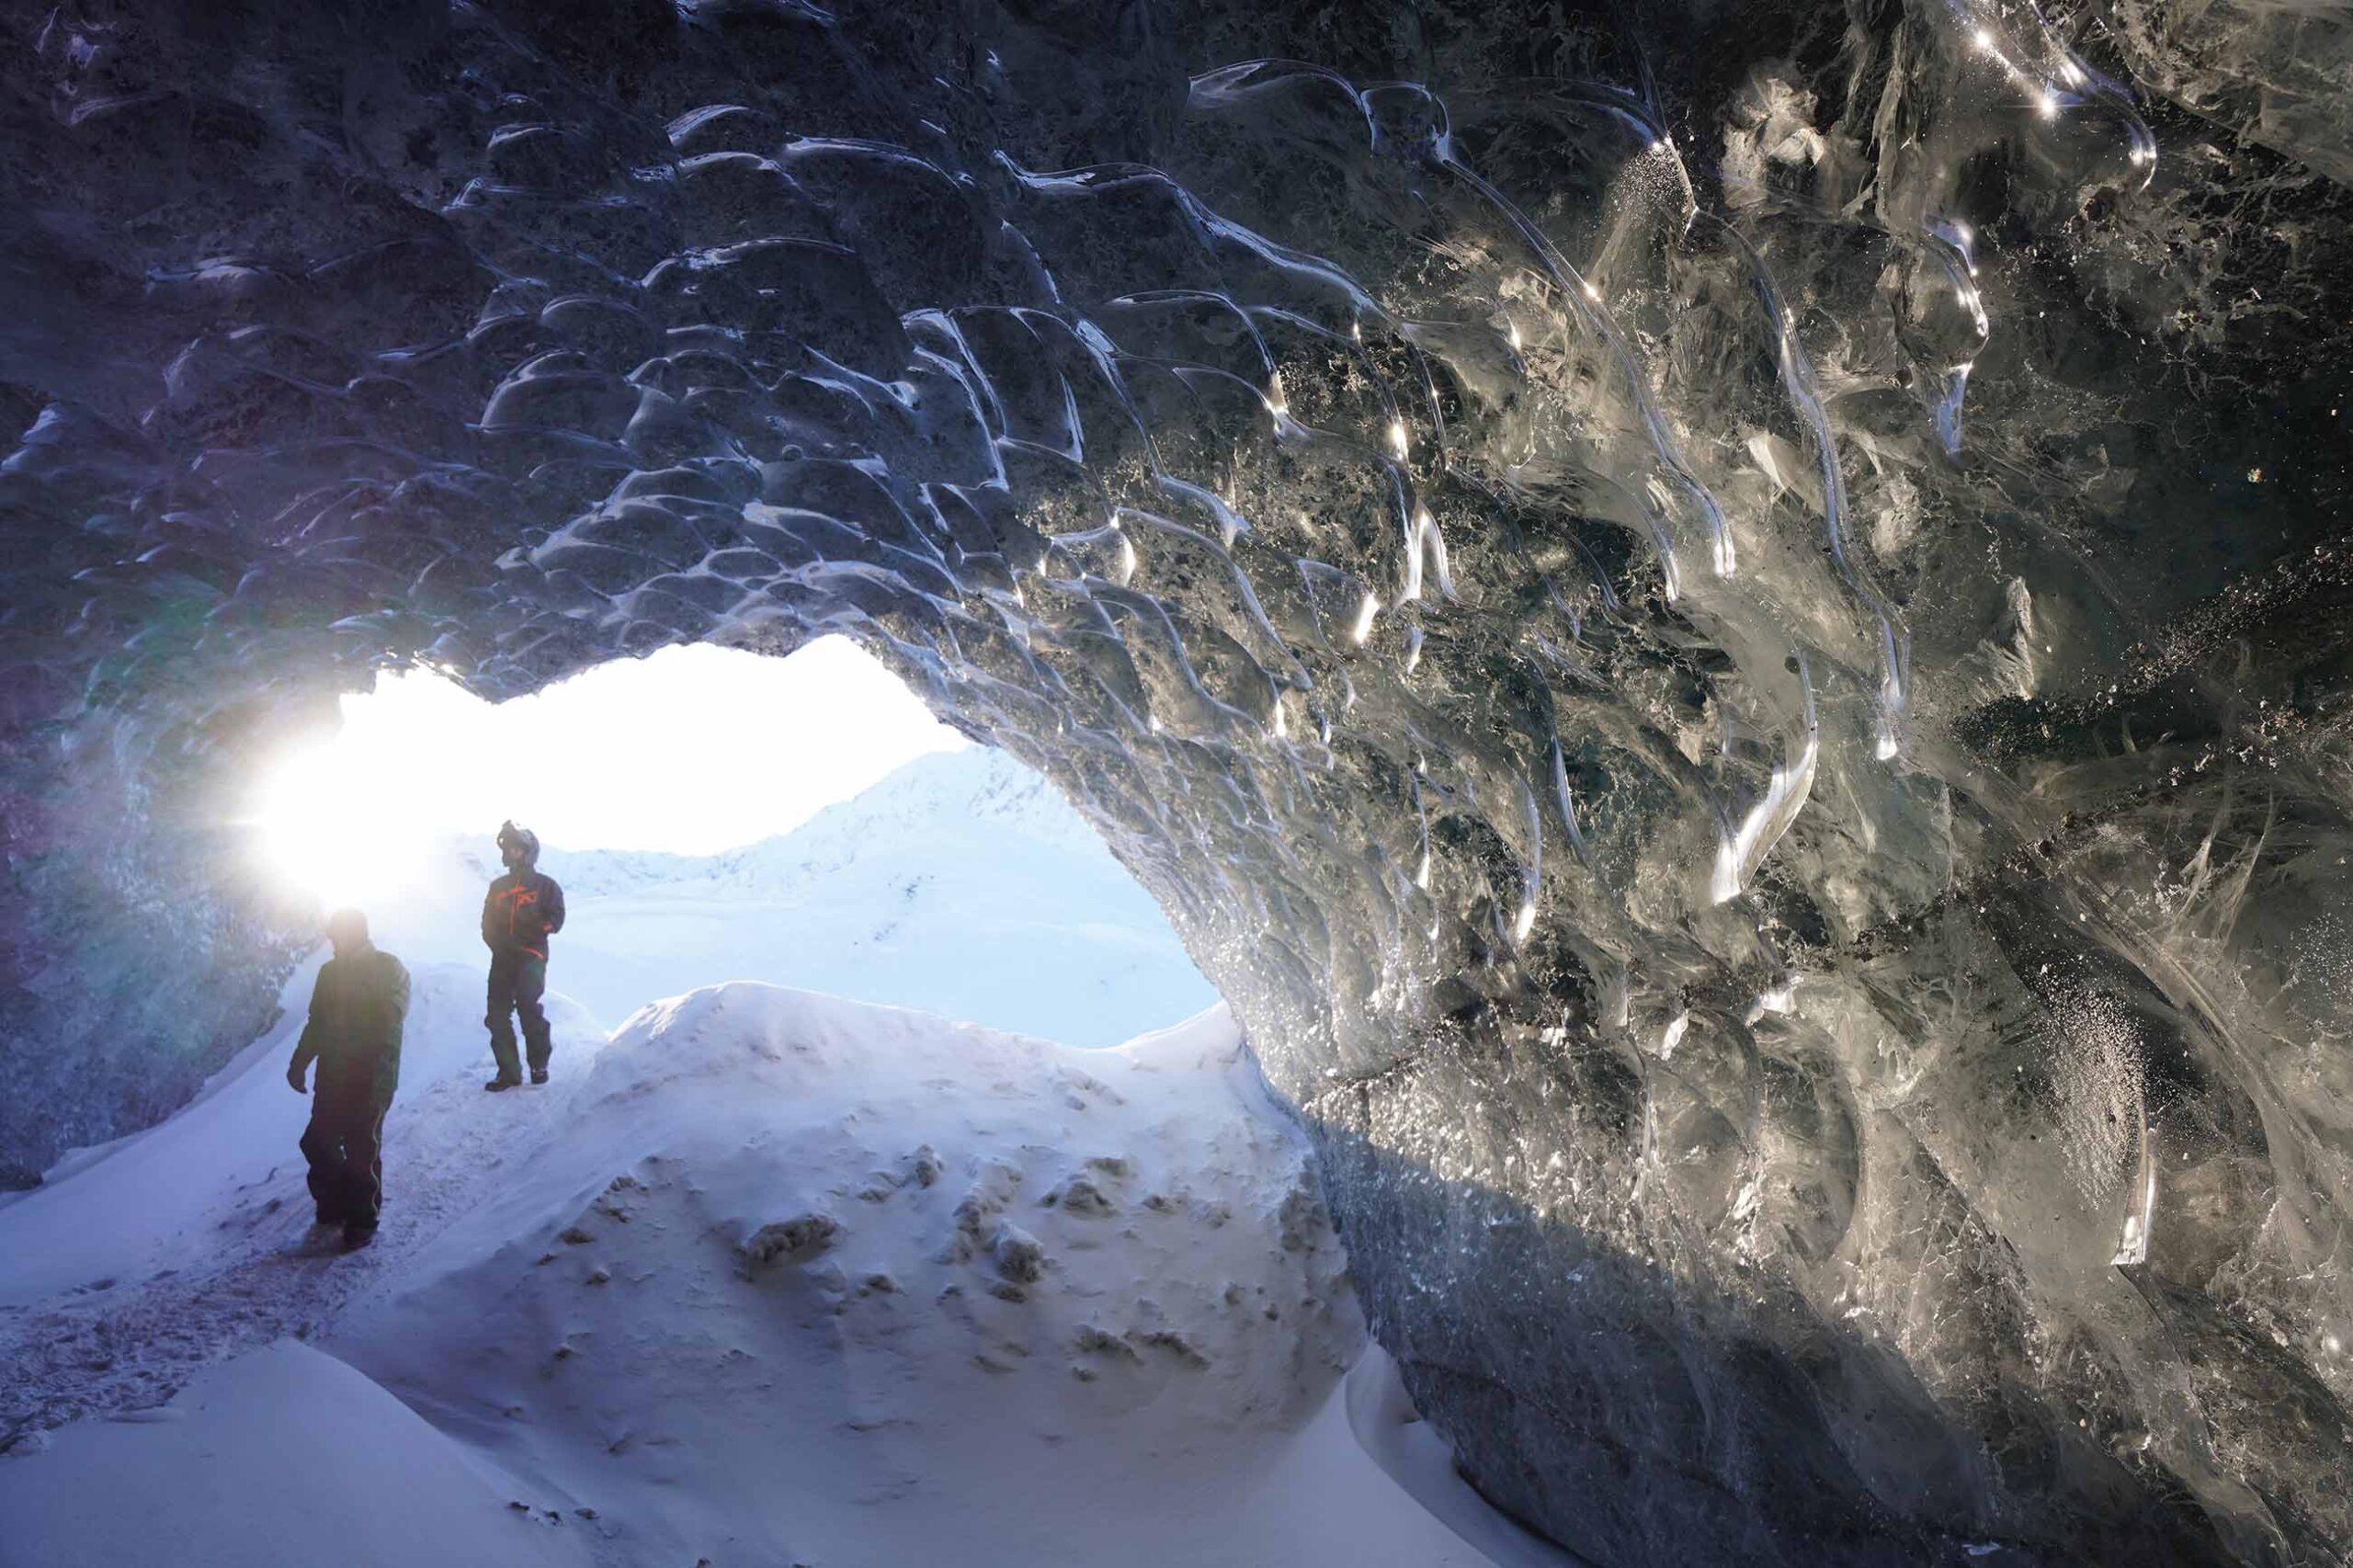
766,1278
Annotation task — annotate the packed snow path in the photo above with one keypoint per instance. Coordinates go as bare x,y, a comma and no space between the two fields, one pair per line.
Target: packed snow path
187,1258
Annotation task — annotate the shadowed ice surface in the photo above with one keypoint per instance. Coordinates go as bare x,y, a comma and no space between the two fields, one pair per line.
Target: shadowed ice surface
1727,633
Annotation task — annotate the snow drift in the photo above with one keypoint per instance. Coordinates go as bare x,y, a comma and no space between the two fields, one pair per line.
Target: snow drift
793,1280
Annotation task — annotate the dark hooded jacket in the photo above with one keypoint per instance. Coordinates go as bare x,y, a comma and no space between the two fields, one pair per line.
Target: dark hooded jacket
524,907
357,1010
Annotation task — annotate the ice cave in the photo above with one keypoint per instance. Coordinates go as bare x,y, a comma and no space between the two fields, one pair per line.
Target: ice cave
1725,628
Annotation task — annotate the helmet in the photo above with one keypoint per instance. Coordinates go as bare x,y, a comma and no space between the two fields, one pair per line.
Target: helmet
520,843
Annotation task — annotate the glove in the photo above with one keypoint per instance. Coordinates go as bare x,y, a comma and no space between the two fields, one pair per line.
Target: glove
294,1076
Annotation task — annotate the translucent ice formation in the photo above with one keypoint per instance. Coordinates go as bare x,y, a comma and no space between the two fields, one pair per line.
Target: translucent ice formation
1677,624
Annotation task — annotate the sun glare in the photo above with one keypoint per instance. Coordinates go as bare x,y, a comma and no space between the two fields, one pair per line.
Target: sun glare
691,750
329,830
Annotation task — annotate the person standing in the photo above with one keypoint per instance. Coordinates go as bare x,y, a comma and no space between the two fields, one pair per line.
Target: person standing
358,1006
523,909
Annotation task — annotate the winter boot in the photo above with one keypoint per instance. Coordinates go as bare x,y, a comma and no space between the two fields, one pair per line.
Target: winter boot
501,1084
357,1234
539,1074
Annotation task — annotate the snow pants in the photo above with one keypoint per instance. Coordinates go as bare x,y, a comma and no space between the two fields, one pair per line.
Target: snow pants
345,1144
517,980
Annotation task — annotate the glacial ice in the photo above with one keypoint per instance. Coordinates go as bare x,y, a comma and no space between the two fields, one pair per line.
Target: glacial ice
1727,634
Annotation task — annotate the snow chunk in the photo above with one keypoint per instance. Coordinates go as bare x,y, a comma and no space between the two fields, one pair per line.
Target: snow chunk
1020,1256
796,1240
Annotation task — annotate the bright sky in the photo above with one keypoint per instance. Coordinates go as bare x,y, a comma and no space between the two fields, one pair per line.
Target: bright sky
693,750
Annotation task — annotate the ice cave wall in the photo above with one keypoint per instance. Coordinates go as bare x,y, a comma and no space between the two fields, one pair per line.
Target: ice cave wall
1727,628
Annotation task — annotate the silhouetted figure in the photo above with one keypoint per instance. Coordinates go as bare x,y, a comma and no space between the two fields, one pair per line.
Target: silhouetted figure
357,1007
523,910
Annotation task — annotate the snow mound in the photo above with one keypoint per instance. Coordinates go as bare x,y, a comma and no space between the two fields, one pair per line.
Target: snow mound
784,1279
809,1273
261,1462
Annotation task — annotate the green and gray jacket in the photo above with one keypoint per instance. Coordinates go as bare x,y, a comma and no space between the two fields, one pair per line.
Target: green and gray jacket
358,1008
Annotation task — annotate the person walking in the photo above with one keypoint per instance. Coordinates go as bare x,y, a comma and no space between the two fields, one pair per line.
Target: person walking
523,909
358,1006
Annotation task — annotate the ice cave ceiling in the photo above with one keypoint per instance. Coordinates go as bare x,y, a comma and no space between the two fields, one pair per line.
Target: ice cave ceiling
1727,627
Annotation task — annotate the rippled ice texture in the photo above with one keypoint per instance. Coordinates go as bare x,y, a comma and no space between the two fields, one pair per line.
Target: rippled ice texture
1725,632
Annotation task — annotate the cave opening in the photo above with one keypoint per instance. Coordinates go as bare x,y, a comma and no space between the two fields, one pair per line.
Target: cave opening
692,750
719,815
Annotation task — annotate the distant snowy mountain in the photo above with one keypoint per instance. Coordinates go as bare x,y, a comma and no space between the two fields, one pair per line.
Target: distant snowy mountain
962,884
948,802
